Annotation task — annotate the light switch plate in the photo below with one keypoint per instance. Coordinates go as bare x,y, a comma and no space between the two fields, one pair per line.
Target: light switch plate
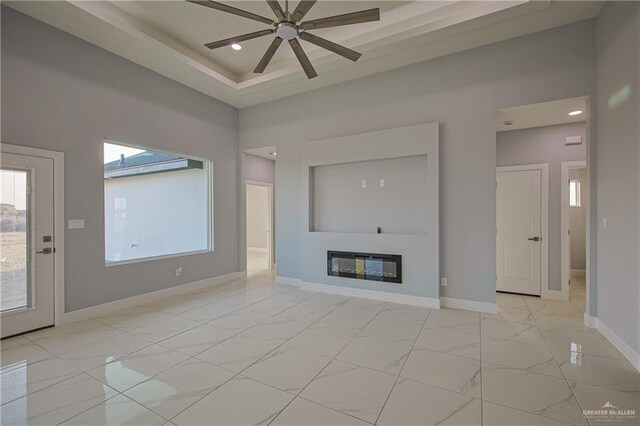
382,183
605,223
364,183
76,224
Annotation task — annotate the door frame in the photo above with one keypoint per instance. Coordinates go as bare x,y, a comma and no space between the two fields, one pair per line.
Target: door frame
565,222
270,242
58,219
544,219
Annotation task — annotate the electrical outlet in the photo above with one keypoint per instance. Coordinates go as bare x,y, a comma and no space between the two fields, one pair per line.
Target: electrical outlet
364,183
382,183
443,281
178,271
605,223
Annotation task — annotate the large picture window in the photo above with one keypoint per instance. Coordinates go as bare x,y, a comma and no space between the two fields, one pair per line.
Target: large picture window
155,203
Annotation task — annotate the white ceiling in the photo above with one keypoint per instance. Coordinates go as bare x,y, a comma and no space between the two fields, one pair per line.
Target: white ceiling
168,37
542,114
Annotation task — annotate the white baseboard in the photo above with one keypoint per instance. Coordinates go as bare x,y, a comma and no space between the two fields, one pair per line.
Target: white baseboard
578,273
468,305
242,274
257,249
555,294
288,281
614,339
105,308
424,302
589,321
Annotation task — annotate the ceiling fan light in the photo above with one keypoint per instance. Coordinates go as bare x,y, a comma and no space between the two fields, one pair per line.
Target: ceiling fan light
236,46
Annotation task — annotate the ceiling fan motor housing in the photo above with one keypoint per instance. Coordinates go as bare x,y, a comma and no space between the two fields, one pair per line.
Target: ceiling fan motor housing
286,30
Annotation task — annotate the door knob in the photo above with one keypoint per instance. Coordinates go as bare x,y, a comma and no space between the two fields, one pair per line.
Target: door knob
534,239
47,250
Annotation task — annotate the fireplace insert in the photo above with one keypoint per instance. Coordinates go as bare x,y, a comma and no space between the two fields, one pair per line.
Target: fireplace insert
365,266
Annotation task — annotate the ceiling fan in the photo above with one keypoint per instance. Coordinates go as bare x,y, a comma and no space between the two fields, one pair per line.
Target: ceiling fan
289,26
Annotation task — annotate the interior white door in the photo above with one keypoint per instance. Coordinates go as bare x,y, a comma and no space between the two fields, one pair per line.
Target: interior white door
519,222
26,243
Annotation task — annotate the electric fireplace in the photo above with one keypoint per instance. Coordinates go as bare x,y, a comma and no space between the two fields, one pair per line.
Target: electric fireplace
365,266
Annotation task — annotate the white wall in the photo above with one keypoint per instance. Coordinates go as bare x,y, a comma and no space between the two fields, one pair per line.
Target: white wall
578,224
462,92
166,213
257,217
545,145
618,180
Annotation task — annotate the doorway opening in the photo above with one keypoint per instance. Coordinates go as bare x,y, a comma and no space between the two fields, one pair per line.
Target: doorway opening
538,148
259,227
574,228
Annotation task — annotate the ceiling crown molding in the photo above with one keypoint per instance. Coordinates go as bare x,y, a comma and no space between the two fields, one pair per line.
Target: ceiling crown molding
409,33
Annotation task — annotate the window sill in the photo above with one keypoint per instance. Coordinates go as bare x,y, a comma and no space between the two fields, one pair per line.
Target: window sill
154,258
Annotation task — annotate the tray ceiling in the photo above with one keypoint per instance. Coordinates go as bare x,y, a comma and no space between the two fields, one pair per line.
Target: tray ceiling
168,37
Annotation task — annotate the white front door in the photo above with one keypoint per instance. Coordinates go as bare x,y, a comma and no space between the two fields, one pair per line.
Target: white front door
26,243
519,222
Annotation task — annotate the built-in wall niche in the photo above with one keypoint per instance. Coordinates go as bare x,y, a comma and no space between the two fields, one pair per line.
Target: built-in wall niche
360,197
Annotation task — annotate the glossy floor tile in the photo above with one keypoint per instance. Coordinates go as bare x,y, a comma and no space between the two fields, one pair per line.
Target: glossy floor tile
413,403
288,369
241,401
57,403
303,412
456,373
358,391
118,410
375,353
172,391
254,352
30,378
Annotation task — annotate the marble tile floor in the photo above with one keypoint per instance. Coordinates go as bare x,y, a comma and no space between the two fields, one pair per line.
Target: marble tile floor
258,353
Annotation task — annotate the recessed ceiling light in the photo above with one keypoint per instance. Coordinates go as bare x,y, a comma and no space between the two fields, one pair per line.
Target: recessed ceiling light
508,123
576,112
273,153
236,46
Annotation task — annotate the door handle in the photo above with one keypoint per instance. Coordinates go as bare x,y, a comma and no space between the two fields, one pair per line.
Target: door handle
47,250
534,239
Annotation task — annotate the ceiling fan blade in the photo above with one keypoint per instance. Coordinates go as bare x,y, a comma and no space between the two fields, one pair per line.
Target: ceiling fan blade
303,7
302,58
268,55
233,10
331,46
362,16
238,39
277,9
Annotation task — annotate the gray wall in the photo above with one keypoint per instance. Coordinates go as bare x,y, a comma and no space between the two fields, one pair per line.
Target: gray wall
462,92
545,145
618,180
578,224
341,204
70,102
259,169
419,251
